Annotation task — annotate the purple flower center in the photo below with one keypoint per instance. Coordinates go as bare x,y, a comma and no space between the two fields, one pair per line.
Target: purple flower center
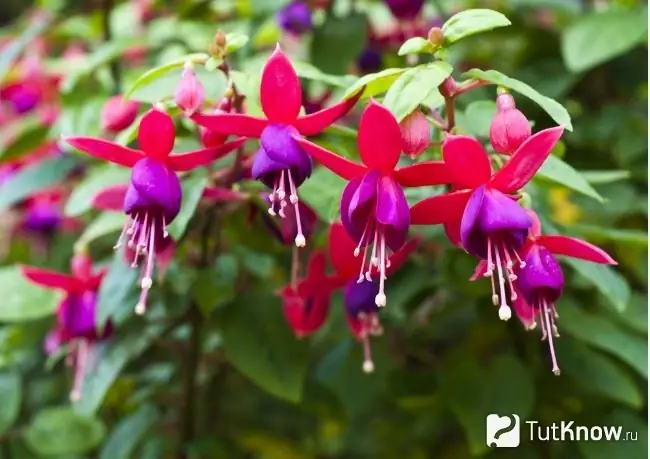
363,312
282,166
77,314
295,17
43,218
23,100
541,282
370,61
494,227
152,201
375,213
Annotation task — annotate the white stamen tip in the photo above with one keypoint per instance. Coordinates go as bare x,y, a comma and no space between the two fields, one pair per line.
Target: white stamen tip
146,283
380,300
300,241
281,194
293,199
522,264
272,212
495,299
140,308
165,233
357,252
505,313
556,371
368,366
532,326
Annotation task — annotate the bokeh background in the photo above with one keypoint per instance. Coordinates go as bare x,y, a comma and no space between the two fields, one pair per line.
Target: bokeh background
445,360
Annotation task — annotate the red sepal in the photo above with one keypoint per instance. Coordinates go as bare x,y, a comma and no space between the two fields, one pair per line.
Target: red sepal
232,124
52,279
340,166
466,160
423,174
108,151
193,159
576,248
443,208
316,123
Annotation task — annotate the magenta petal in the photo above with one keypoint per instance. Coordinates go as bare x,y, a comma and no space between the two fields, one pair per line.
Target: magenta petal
466,160
501,213
359,208
110,198
77,315
280,91
469,220
393,213
231,123
380,138
53,341
576,248
108,151
156,185
316,123
541,278
156,134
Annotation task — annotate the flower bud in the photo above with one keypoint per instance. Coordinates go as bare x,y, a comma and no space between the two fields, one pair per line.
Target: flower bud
448,87
509,127
295,18
190,94
435,36
416,134
118,114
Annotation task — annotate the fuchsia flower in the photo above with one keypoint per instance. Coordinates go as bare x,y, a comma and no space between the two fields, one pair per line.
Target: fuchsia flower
306,305
190,94
295,18
483,216
540,281
76,314
118,114
280,163
374,209
286,230
405,9
510,127
360,292
153,198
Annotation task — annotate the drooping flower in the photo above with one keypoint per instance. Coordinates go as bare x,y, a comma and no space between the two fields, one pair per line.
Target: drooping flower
416,134
189,95
280,162
76,314
118,114
288,229
405,9
360,293
153,197
540,281
370,60
295,18
509,127
374,209
307,304
483,216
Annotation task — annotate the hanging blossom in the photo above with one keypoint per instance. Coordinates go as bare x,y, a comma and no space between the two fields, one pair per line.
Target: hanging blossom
541,281
359,295
280,163
76,324
153,198
374,209
483,216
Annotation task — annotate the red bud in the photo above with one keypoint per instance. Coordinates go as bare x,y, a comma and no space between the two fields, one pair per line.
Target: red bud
509,127
118,114
82,266
190,94
416,134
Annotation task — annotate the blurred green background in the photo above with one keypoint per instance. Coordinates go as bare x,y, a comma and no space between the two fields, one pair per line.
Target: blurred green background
445,360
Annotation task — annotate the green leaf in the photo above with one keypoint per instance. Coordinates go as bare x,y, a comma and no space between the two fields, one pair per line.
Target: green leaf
11,395
32,134
606,279
154,74
599,37
623,236
375,83
105,223
323,193
596,372
104,54
471,22
60,430
554,109
635,315
112,357
31,179
556,170
602,334
603,177
23,300
163,86
260,344
415,45
235,41
338,42
309,72
128,433
95,180
193,187
117,293
631,424
414,86
215,287
12,51
478,117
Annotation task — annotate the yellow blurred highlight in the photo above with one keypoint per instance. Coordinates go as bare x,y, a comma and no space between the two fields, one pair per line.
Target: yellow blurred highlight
270,447
562,209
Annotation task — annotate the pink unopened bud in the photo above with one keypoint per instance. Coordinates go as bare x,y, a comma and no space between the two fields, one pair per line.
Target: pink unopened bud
82,266
509,127
416,134
190,94
118,114
448,87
